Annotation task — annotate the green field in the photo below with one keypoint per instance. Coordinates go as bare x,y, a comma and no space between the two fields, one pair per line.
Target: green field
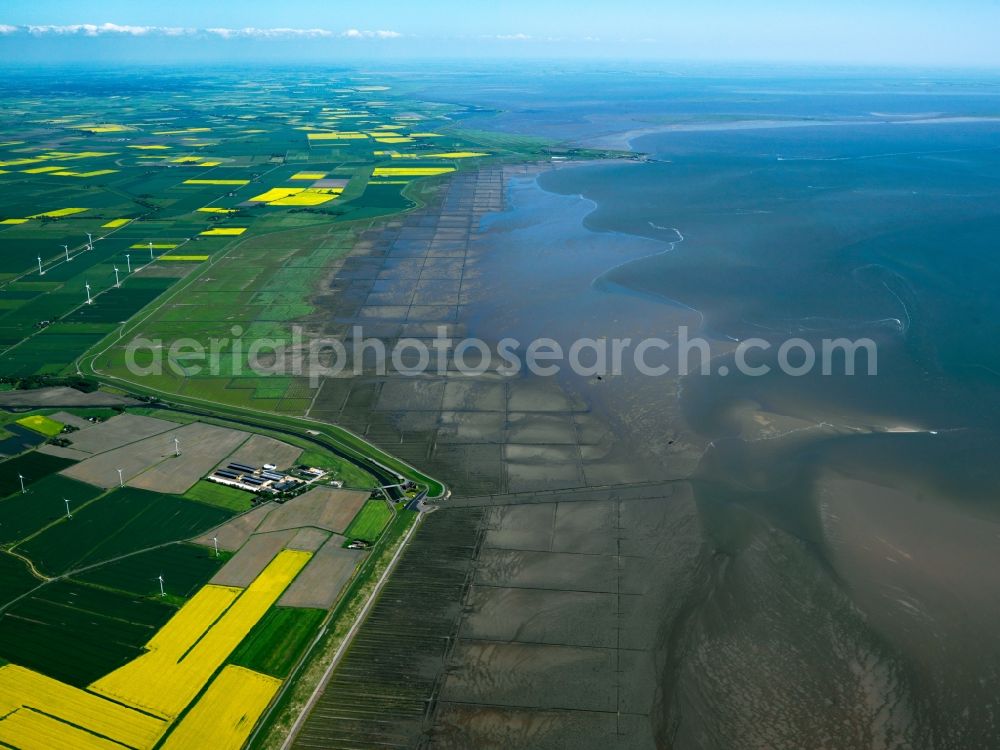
278,640
23,514
220,495
185,568
123,521
369,521
77,633
33,466
15,578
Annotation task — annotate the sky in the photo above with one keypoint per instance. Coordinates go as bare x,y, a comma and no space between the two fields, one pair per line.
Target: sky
960,33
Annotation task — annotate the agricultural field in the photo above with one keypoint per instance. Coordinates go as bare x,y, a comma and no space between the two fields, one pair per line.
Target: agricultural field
78,633
123,521
185,567
45,502
205,220
148,667
190,658
33,467
158,217
15,578
220,496
278,640
225,715
41,424
183,656
370,521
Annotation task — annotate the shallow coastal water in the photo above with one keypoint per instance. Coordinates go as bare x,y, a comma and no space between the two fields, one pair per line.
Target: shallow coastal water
706,560
837,592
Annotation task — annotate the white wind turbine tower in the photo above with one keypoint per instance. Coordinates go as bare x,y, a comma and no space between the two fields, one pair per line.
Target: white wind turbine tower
118,284
121,478
66,248
21,477
41,271
90,241
215,541
150,250
162,590
128,261
89,300
68,514
177,447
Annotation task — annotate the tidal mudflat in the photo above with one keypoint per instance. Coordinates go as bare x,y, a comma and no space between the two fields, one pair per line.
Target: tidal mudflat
710,560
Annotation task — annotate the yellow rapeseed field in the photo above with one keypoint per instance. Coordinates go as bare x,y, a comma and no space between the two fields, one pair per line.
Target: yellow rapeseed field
224,232
167,678
194,258
22,688
145,246
459,155
308,176
29,730
65,155
115,223
275,193
192,620
342,136
410,171
19,162
40,423
103,128
216,182
181,132
309,197
225,715
95,173
57,213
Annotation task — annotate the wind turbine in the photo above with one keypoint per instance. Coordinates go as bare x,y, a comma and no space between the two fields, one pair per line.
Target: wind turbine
215,541
177,447
19,476
41,271
68,514
128,260
150,250
66,248
118,284
90,241
162,591
121,479
89,300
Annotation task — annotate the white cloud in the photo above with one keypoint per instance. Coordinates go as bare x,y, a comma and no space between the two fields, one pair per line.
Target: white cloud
90,29
380,34
249,32
513,37
279,33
